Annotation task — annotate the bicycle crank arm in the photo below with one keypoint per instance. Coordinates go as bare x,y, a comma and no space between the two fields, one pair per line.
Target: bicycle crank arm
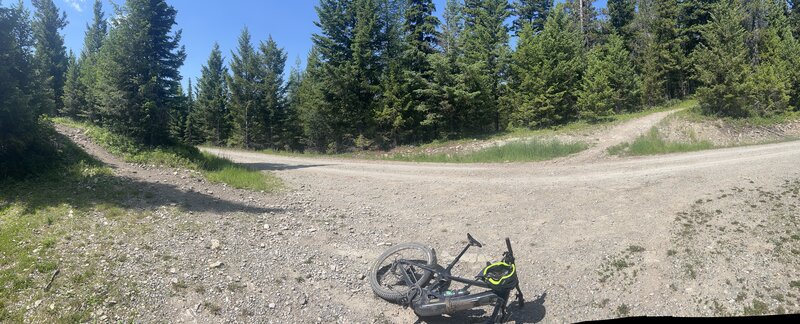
454,304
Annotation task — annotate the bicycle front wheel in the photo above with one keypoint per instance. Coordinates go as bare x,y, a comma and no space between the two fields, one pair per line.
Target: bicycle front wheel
388,281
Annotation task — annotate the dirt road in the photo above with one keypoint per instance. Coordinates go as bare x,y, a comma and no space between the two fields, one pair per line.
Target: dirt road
700,234
571,219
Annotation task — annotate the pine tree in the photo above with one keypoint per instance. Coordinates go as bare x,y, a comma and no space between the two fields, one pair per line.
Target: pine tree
610,84
292,131
620,16
584,14
453,26
138,71
409,105
273,60
451,93
547,68
96,34
51,54
18,113
212,119
191,134
663,68
74,92
485,53
722,66
533,12
794,17
177,114
313,111
245,91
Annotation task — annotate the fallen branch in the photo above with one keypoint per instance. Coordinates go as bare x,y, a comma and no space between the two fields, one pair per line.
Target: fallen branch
55,273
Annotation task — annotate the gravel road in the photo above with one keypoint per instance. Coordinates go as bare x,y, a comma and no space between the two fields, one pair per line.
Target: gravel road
595,236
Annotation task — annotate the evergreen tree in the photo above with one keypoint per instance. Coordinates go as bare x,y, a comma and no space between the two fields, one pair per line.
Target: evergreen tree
485,53
51,54
663,69
451,93
178,116
610,84
18,113
309,102
292,131
620,16
409,104
211,116
547,68
74,92
96,34
245,91
191,134
349,46
585,15
794,17
722,66
272,113
453,26
138,71
533,12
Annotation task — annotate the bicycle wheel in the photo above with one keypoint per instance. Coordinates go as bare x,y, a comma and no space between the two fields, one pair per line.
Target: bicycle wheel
391,285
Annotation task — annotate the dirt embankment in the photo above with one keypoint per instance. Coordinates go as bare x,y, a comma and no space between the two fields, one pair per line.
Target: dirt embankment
723,133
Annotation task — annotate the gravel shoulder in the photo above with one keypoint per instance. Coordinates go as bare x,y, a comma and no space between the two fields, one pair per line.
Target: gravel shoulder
595,238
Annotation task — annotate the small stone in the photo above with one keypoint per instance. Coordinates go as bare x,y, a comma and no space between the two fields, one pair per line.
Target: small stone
173,270
312,230
266,227
37,303
362,276
215,244
216,265
271,305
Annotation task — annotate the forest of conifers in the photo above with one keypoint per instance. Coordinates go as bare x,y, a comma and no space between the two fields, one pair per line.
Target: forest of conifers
389,72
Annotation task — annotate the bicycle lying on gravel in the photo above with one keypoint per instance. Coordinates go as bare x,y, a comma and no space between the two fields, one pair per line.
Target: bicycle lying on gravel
408,274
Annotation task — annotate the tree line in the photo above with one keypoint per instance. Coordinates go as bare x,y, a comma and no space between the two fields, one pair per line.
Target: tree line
383,73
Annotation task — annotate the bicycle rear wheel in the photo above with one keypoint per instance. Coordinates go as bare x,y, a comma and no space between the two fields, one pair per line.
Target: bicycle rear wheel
390,284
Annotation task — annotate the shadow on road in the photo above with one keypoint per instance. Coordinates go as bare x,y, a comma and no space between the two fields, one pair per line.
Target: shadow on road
533,312
280,167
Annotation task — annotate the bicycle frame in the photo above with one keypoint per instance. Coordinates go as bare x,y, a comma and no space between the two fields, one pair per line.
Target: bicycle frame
422,304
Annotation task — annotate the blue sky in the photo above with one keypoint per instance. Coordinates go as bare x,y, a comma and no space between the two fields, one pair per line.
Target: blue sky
290,23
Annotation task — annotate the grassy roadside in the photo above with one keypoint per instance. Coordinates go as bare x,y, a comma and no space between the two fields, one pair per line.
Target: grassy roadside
527,151
214,168
536,148
55,230
571,128
652,143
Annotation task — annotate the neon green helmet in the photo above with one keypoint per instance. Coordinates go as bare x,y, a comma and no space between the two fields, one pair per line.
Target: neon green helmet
501,276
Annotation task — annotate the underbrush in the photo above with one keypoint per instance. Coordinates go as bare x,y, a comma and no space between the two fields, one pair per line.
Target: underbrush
528,151
180,156
653,143
46,221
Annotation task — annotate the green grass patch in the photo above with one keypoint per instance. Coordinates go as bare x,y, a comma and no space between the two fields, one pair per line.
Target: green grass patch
214,168
42,218
652,143
527,151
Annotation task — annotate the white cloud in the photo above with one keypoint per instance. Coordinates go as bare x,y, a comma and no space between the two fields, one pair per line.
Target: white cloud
76,4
